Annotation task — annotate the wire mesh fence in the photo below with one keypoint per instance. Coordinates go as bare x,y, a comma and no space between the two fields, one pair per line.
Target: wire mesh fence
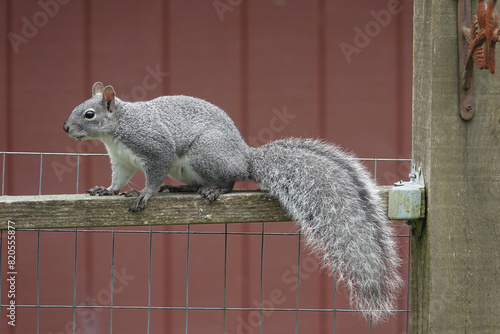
224,278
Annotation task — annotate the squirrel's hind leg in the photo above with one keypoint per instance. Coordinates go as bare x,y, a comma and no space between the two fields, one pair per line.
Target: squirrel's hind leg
220,164
213,193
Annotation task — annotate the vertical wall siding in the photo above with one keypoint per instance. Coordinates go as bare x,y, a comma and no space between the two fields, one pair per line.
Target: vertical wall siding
4,77
275,66
255,61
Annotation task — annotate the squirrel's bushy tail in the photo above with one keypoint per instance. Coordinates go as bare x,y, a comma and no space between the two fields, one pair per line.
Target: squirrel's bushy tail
337,205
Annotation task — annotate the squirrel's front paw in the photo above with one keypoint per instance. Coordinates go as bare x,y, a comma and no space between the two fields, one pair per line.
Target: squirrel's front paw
101,191
140,202
131,193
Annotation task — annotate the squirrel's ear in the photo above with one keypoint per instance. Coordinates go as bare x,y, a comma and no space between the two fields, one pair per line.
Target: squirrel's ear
97,88
108,97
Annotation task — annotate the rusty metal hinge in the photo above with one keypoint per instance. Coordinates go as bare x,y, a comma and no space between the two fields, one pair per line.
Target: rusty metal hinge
476,45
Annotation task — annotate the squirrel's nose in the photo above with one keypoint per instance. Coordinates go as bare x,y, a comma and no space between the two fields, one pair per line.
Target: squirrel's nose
65,127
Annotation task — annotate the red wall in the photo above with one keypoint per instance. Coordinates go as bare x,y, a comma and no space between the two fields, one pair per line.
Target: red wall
342,69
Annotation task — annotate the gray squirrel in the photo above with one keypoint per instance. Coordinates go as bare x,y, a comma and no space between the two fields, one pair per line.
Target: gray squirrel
327,191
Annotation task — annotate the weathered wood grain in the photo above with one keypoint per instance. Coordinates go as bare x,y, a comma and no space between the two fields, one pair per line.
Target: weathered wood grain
70,211
455,254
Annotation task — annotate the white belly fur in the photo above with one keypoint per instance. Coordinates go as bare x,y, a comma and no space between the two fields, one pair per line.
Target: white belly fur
122,155
183,172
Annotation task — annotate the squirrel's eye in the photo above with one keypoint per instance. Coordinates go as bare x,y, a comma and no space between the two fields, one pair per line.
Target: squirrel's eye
89,114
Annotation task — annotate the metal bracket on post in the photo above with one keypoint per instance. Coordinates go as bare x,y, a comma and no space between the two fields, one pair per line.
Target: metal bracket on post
484,30
407,199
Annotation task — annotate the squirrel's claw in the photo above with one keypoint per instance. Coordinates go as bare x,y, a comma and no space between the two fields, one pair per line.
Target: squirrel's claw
213,193
100,191
140,202
131,193
209,193
137,205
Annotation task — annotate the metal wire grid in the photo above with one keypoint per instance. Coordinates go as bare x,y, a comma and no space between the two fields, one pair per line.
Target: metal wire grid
41,155
79,155
188,233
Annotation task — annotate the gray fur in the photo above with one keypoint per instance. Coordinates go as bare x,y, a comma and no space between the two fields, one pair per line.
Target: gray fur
181,131
327,191
336,203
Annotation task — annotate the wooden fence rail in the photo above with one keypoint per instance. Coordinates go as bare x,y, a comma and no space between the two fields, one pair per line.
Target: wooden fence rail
70,211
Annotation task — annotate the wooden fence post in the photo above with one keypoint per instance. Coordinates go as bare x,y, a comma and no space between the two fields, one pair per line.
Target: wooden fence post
456,250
